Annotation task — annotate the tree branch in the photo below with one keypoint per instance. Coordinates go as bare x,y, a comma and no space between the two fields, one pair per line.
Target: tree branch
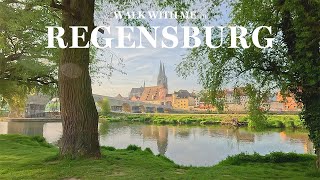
40,80
14,57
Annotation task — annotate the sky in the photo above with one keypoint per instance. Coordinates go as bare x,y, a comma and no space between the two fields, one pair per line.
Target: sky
142,65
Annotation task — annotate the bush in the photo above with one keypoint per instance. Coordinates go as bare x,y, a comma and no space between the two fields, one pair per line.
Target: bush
165,158
41,140
133,148
274,157
290,124
278,124
104,107
108,148
148,150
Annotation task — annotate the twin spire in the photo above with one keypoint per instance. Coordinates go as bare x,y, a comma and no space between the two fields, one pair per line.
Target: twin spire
162,78
162,71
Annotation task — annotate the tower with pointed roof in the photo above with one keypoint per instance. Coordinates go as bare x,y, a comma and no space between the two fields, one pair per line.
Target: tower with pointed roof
162,78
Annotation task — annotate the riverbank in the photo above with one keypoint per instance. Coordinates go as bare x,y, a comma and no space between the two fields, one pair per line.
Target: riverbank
273,121
32,158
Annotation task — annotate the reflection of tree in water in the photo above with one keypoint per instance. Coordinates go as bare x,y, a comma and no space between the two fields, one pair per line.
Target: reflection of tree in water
158,133
26,128
103,128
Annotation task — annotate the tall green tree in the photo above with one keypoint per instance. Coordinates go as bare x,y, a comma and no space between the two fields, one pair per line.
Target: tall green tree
293,64
104,106
25,64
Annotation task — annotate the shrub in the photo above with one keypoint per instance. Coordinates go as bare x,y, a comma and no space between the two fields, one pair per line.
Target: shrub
41,140
274,157
278,124
148,150
290,124
132,147
165,158
108,148
104,107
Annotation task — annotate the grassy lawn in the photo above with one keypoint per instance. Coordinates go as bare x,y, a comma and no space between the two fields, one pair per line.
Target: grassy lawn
32,158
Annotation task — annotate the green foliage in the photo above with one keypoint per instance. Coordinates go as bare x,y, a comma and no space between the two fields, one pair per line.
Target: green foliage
292,64
257,117
53,106
148,150
269,121
108,148
104,107
133,148
26,66
284,121
274,157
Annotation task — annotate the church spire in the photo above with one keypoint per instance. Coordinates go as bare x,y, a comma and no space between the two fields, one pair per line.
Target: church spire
160,70
162,78
164,71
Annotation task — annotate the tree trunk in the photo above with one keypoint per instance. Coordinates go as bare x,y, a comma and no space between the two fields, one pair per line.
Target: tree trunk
78,110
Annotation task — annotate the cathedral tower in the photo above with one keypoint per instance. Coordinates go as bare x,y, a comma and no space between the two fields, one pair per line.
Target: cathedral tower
162,78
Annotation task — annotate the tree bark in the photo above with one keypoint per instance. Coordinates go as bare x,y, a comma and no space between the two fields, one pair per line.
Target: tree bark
78,110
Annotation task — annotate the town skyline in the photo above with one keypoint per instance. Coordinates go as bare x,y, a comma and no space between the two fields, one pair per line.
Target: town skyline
138,74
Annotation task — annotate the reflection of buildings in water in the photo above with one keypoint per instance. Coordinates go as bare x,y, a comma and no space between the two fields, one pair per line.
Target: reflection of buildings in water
299,137
233,136
230,133
26,128
242,136
158,133
181,132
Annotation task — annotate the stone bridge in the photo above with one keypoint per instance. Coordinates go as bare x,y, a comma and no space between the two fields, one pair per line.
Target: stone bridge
125,105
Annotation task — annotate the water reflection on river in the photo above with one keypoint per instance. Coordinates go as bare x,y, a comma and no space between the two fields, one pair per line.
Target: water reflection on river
187,145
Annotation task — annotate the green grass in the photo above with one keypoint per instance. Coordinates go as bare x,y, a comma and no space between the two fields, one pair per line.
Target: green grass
273,121
32,158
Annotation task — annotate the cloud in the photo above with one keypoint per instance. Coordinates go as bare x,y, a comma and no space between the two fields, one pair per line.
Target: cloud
143,64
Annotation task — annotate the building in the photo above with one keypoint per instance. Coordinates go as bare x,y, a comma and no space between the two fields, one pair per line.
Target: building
183,100
156,94
289,102
136,92
162,78
236,96
236,100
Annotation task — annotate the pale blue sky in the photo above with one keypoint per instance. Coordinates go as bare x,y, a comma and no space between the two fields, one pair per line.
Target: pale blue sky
143,65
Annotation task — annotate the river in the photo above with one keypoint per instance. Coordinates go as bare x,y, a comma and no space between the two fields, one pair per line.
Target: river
185,145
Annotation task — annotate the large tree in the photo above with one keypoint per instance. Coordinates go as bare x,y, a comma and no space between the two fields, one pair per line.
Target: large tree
292,65
25,64
78,110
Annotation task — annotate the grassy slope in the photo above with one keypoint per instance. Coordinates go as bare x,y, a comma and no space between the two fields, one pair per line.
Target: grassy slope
32,158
